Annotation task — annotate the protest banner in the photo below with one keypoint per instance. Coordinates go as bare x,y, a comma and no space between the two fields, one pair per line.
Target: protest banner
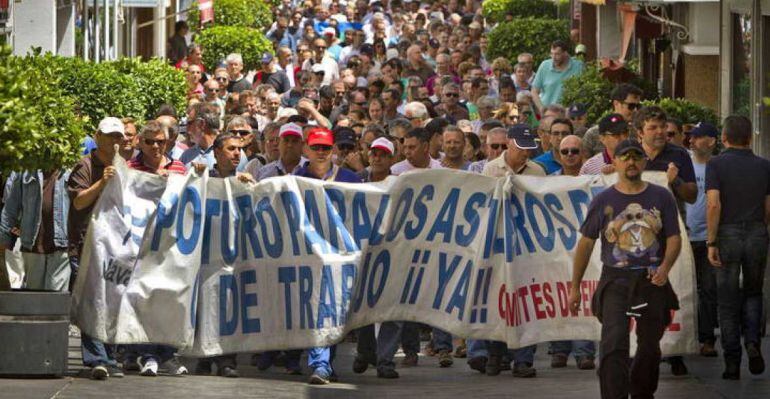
217,266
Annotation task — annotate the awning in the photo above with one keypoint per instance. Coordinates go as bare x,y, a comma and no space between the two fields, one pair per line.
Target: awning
603,2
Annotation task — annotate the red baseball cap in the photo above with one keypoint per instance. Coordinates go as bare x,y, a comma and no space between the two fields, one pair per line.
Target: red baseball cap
321,136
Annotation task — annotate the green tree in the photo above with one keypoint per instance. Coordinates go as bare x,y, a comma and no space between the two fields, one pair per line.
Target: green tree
160,83
529,35
38,126
498,10
244,13
219,41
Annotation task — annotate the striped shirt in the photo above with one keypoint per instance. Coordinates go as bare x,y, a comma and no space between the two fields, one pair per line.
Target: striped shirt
172,166
594,165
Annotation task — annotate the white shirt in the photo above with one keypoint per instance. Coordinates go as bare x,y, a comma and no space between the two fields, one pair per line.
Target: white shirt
331,69
405,166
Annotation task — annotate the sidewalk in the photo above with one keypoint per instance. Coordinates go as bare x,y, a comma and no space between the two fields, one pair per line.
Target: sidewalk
426,380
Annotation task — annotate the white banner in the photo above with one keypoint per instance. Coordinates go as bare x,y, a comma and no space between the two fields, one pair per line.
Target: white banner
219,266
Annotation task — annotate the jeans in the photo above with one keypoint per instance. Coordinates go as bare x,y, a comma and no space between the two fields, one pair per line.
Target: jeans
616,378
707,293
579,348
442,340
410,337
47,271
320,359
742,250
96,353
74,267
477,348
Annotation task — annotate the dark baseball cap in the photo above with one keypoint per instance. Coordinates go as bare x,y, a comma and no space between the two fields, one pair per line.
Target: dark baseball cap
577,110
367,49
344,135
522,136
704,129
627,146
613,124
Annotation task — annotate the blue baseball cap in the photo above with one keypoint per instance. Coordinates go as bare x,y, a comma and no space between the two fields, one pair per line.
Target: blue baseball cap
522,136
704,129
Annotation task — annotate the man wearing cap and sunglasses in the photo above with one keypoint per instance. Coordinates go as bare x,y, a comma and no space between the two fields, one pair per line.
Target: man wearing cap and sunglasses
272,75
634,280
320,142
626,100
612,129
513,161
703,139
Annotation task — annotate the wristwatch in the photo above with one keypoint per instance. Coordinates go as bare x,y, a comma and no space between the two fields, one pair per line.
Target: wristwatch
711,243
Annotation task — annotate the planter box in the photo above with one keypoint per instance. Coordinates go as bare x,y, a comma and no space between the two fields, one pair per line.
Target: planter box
34,332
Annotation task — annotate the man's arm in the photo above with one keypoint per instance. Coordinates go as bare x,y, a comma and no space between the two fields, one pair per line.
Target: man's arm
688,192
87,197
713,212
673,247
582,255
536,99
10,215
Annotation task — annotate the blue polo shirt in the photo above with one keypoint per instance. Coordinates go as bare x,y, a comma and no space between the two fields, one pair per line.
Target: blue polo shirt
550,81
342,175
547,161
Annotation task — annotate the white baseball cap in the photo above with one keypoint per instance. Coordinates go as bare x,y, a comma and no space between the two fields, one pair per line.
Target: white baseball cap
383,144
111,125
290,129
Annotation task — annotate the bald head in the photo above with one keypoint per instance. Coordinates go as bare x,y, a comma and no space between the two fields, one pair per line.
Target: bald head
569,149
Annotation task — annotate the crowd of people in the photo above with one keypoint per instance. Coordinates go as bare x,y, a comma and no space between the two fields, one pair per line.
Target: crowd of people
360,91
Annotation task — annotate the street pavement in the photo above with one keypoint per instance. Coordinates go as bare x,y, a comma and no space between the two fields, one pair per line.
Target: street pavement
426,380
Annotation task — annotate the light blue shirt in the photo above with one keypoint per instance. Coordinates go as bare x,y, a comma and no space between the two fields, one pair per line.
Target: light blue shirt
696,212
198,155
550,81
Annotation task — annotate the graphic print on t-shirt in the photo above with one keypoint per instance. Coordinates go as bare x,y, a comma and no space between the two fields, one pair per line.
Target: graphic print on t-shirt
634,234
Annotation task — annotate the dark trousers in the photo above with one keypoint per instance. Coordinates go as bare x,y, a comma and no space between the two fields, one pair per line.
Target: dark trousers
616,378
742,249
221,361
410,337
707,293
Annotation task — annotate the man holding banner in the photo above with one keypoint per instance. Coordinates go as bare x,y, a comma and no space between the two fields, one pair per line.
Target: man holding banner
320,142
639,227
513,161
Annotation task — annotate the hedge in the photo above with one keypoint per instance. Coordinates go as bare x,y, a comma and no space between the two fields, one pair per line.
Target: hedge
497,10
592,89
526,35
686,110
38,125
219,41
159,83
254,14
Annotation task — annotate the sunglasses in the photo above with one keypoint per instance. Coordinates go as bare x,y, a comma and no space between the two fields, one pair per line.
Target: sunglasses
562,133
452,94
498,146
570,151
360,103
633,156
241,132
221,79
633,106
320,147
151,142
671,134
321,48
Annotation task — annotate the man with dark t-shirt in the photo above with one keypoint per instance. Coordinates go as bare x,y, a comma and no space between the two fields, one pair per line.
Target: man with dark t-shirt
639,227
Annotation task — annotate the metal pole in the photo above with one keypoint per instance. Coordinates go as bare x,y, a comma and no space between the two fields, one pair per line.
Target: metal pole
106,30
115,30
86,30
97,36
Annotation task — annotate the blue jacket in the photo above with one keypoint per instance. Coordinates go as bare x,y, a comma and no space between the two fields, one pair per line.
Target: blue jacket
23,205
